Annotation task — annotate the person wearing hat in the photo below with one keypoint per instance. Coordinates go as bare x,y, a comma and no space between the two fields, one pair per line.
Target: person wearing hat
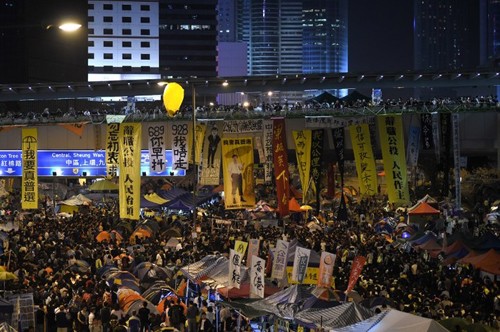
213,144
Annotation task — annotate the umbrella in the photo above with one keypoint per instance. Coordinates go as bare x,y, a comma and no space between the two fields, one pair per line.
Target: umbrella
4,275
103,236
306,208
103,185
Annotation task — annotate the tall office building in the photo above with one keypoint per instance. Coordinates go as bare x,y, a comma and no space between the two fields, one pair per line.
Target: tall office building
188,38
226,20
325,45
33,49
446,34
490,33
123,40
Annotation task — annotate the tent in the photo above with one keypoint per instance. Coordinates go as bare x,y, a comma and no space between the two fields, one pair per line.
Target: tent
76,200
293,205
103,185
394,320
422,208
355,96
488,262
324,97
428,199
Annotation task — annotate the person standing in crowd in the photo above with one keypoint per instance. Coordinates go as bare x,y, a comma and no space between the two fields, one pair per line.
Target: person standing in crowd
62,321
144,317
134,323
105,317
192,316
176,316
205,324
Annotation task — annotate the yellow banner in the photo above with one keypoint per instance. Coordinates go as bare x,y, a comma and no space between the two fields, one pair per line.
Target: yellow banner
240,247
393,153
112,149
237,165
201,129
363,155
130,170
303,140
29,186
311,277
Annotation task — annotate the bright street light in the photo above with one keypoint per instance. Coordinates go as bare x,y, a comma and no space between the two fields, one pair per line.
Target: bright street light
70,27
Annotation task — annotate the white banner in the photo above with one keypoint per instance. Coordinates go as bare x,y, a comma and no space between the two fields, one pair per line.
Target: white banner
268,150
243,126
326,264
300,263
280,260
156,146
180,150
257,270
234,269
328,121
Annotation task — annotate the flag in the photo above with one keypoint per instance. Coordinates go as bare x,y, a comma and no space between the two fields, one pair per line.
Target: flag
357,266
156,134
300,262
257,268
130,170
281,173
326,264
29,186
303,141
268,150
365,161
280,259
394,156
234,269
112,149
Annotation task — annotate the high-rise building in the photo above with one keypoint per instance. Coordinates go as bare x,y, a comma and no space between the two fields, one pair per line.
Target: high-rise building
446,34
123,40
490,33
226,20
188,38
324,36
33,49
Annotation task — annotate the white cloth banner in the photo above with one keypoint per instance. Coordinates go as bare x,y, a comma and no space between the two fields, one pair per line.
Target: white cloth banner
268,150
257,270
243,126
180,150
300,263
234,269
156,145
280,259
328,121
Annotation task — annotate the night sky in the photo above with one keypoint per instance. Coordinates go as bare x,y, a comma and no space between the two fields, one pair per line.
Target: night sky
380,35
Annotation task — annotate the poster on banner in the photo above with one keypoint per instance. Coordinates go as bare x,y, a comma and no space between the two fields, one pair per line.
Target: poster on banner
234,269
300,263
243,126
326,265
257,276
393,153
156,134
180,147
112,149
280,160
253,250
310,278
363,156
240,247
280,259
237,159
212,151
268,150
29,186
130,170
357,266
303,142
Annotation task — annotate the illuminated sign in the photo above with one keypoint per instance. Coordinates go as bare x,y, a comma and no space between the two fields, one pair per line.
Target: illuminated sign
75,163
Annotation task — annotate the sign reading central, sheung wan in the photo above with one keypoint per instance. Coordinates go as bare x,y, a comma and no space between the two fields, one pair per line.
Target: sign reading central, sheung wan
76,162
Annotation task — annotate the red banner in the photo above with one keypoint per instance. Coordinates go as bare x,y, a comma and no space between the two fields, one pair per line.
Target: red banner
356,268
280,159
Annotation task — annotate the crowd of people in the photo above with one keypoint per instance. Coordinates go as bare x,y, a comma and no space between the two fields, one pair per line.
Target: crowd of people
43,252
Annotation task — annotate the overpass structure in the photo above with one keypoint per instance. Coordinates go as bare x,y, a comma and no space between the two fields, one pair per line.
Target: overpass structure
248,84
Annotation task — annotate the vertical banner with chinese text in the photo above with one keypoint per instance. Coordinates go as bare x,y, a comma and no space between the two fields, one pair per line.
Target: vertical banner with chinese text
363,155
339,143
257,268
130,170
234,269
112,149
211,159
303,142
412,151
253,250
300,263
156,146
326,264
393,153
357,266
237,162
280,260
281,173
446,130
426,123
180,149
455,119
29,186
316,163
268,150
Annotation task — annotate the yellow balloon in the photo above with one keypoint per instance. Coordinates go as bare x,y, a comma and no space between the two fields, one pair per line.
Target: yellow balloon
173,95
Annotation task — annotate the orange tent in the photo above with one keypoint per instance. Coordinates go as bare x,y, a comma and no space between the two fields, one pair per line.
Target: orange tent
488,262
293,205
126,297
422,208
103,236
